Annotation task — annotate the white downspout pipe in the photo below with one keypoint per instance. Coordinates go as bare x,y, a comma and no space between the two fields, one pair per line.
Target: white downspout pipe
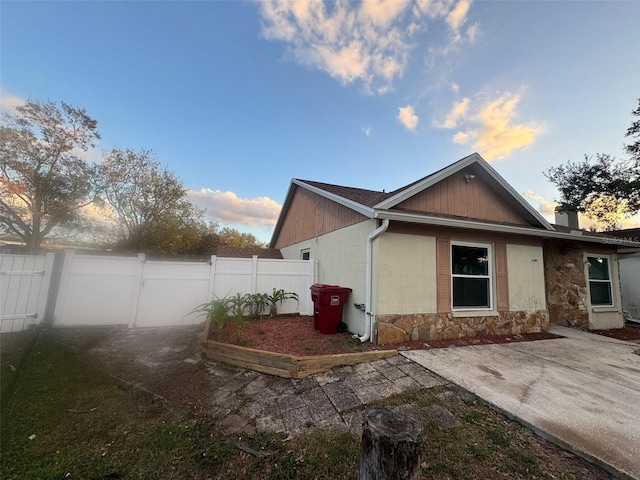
368,315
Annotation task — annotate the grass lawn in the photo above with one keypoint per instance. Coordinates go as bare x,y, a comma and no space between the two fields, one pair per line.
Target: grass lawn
65,418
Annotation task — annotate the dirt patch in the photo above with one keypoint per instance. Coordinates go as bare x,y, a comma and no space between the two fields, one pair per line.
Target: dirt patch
165,361
630,333
291,335
295,335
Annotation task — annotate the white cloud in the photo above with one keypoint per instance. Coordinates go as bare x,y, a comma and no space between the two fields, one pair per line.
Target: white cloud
383,12
408,117
490,127
367,131
228,208
545,207
8,103
472,32
432,8
368,41
458,16
457,113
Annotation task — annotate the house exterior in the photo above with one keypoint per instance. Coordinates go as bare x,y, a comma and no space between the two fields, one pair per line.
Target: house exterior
456,253
630,272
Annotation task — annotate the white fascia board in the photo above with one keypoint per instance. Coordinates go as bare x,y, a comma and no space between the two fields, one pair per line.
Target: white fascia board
358,207
427,182
492,227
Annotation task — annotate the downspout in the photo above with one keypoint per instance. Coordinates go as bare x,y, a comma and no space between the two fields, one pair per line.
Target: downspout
368,320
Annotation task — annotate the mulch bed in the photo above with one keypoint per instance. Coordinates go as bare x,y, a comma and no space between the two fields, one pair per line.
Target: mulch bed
629,333
294,335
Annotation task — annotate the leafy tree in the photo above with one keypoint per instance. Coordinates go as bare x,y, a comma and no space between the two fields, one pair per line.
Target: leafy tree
605,188
153,213
606,210
633,149
211,236
44,183
230,237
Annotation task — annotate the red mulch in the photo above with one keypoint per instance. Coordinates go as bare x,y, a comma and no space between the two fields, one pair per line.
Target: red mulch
629,333
295,335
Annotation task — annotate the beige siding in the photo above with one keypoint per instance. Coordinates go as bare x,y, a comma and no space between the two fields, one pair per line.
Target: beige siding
606,317
341,260
526,277
311,215
406,274
455,196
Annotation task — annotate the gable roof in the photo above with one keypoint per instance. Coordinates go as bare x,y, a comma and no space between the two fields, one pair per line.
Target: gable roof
380,205
480,167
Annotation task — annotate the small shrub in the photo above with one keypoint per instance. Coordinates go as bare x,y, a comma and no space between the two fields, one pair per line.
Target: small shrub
279,296
238,305
217,310
257,303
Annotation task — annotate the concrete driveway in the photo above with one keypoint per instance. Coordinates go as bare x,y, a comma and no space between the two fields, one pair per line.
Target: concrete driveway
582,391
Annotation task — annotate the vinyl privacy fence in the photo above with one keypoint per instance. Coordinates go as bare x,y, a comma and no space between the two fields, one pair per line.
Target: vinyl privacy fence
24,287
108,290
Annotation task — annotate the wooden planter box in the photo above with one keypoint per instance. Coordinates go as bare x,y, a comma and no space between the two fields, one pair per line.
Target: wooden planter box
283,365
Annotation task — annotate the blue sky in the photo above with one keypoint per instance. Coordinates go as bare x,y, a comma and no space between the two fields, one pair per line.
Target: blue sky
237,98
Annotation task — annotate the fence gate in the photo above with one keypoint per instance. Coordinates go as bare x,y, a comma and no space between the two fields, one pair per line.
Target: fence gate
169,291
24,285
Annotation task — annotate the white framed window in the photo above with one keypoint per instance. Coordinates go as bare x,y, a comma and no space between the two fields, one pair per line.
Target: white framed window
600,287
305,254
471,276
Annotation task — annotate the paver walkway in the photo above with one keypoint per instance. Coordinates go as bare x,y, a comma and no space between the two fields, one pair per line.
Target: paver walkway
331,399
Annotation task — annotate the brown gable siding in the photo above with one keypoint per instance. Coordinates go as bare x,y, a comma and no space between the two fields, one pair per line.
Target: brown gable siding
454,196
311,215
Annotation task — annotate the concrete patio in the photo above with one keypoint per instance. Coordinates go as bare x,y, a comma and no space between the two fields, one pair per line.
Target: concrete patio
582,391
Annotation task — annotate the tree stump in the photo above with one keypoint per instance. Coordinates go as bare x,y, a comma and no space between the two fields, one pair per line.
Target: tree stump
391,444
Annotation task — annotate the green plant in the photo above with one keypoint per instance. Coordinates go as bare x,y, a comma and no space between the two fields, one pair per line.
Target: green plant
217,310
256,304
237,305
279,296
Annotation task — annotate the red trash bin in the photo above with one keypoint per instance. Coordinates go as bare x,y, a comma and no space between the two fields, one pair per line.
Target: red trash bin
328,301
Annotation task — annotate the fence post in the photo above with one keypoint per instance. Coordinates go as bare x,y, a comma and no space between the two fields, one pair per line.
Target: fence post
212,278
49,288
254,274
391,444
135,297
61,294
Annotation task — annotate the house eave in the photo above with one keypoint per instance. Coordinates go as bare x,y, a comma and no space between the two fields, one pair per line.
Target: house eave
294,185
492,227
358,207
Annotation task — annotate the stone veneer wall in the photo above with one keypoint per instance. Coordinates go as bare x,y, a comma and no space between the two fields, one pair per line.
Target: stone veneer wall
566,285
436,326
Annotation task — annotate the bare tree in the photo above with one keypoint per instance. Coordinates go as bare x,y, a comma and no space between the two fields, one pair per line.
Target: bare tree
150,202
